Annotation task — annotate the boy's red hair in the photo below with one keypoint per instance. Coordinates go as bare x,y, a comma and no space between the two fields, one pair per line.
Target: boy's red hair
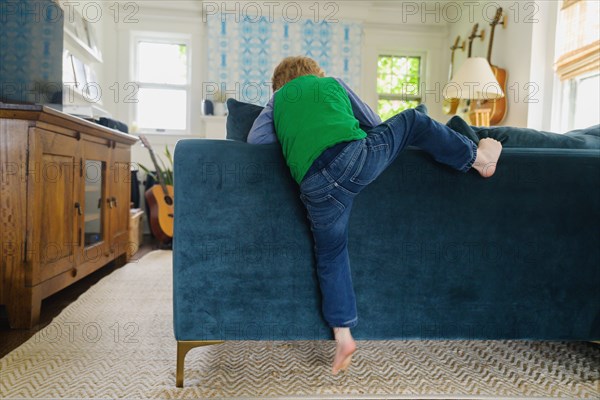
293,67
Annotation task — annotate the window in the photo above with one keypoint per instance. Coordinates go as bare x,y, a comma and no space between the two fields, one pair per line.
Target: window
162,73
398,84
581,101
578,64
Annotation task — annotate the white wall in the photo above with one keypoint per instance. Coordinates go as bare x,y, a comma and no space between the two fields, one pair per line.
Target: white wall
524,48
424,41
170,17
543,38
389,27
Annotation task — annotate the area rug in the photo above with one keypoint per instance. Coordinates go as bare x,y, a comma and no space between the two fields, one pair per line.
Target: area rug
116,341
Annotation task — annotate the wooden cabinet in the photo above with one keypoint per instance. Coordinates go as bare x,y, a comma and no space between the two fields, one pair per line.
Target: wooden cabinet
64,202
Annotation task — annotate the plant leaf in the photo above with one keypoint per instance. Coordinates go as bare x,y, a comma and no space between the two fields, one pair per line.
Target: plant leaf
146,170
169,157
167,173
162,163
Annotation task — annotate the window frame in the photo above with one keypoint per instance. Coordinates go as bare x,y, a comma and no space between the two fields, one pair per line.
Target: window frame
162,38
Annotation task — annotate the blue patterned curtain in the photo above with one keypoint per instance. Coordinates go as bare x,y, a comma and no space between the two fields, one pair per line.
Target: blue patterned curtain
243,54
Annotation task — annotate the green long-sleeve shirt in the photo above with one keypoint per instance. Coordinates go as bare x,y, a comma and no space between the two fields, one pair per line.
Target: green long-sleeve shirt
310,115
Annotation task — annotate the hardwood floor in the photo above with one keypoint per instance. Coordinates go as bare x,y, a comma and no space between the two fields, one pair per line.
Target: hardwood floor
10,339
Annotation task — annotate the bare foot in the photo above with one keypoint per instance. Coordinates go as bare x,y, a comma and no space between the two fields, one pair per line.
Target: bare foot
344,349
488,153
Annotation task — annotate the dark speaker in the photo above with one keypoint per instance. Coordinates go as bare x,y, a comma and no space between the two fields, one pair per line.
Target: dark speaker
148,183
135,190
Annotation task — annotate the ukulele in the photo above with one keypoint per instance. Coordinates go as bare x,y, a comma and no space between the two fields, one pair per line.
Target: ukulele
465,104
160,201
497,107
449,106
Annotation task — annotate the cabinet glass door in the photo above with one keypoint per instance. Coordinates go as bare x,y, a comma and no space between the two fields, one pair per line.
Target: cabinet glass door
94,182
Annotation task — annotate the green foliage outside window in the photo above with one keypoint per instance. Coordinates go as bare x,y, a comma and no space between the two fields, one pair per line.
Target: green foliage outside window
388,108
398,84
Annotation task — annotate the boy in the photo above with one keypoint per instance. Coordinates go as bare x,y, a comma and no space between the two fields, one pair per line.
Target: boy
335,145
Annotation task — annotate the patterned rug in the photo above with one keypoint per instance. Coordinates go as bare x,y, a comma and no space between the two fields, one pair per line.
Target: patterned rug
116,341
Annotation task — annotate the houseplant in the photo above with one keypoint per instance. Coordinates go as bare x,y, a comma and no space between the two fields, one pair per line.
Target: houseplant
219,99
167,172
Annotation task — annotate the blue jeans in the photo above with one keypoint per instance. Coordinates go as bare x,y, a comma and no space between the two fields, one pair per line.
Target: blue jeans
341,172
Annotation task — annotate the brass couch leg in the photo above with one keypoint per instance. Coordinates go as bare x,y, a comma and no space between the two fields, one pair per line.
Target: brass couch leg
183,346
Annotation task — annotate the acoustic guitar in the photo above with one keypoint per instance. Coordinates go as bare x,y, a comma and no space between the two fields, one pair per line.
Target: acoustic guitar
449,106
160,201
497,107
464,106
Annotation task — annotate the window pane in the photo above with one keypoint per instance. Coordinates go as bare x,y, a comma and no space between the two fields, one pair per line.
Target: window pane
162,63
587,103
162,109
388,108
398,75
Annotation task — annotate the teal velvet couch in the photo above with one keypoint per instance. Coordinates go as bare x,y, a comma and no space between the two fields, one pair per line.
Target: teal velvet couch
435,254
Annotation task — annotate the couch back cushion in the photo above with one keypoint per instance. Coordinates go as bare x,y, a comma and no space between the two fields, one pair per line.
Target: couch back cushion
242,115
509,136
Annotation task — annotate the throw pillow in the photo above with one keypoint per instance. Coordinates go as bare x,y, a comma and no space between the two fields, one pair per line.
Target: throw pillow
240,118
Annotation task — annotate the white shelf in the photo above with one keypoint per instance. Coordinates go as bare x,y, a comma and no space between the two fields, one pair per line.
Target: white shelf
89,217
83,49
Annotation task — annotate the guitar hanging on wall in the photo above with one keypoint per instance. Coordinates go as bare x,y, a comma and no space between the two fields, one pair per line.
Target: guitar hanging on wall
464,105
160,201
497,107
449,106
